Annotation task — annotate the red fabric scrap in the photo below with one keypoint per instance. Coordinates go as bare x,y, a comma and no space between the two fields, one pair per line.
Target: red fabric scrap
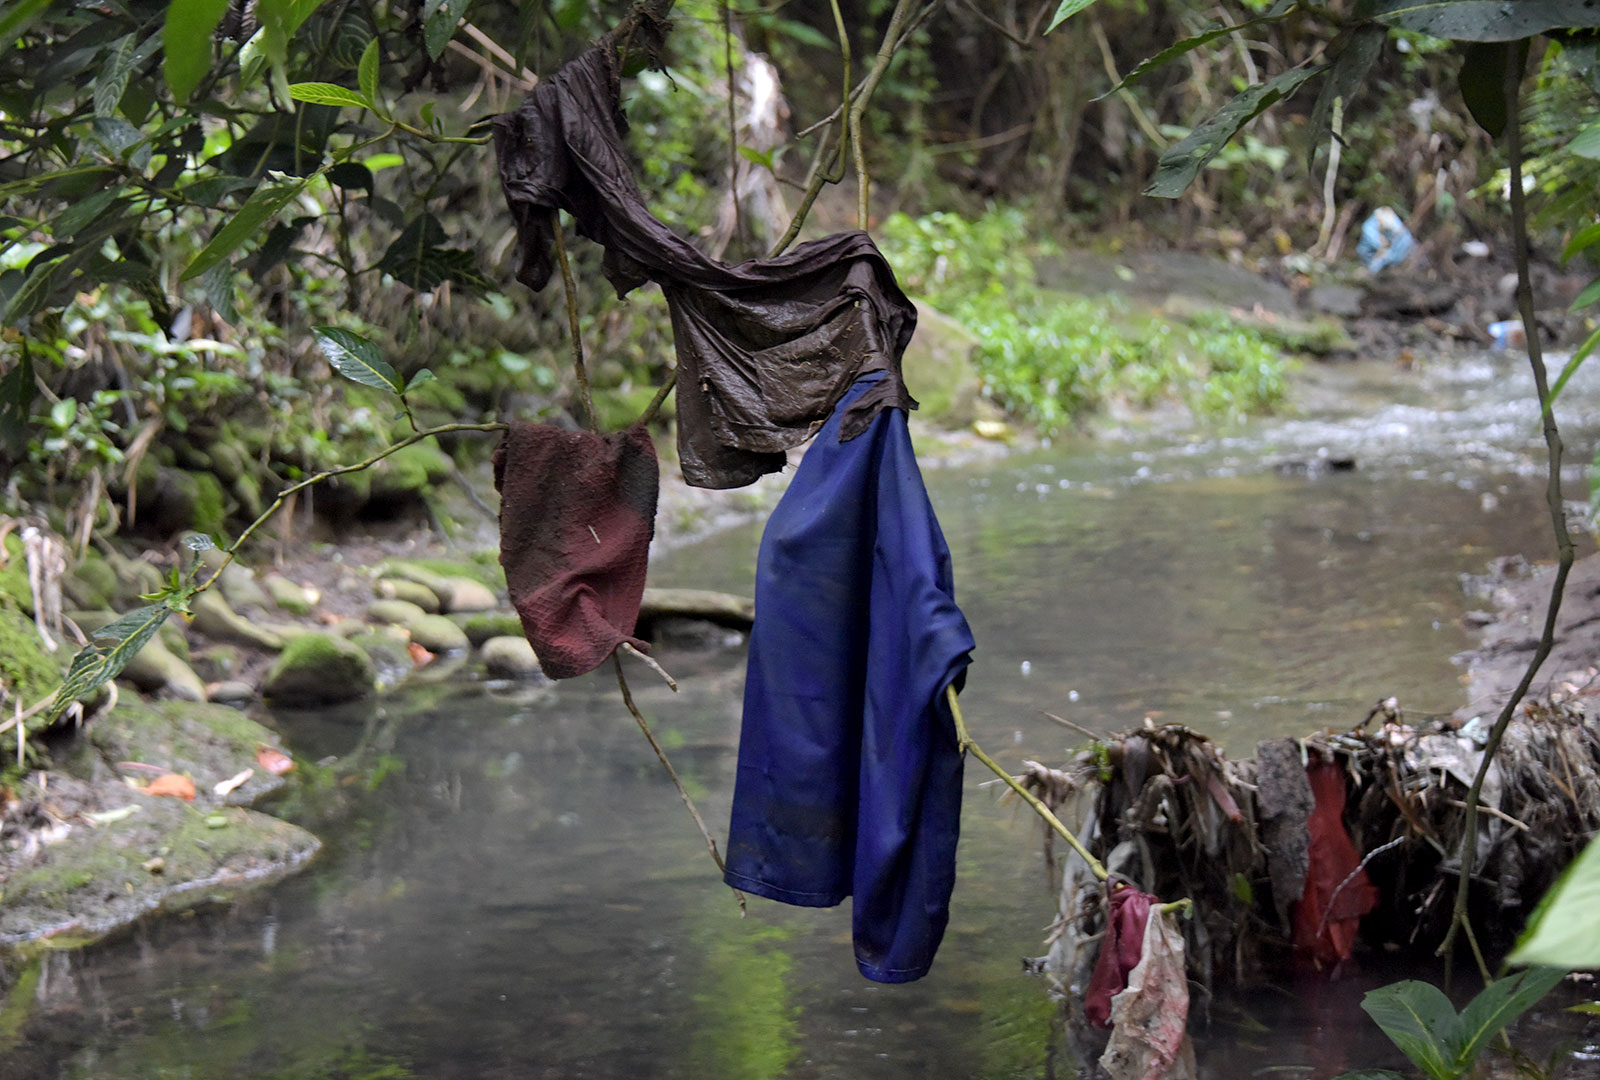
577,513
1326,924
1129,911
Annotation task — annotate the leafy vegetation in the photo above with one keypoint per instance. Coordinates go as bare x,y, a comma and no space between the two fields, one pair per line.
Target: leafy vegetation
1051,357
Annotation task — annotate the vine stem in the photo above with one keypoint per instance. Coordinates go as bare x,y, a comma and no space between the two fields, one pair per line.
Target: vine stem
231,551
1553,499
683,792
578,365
964,738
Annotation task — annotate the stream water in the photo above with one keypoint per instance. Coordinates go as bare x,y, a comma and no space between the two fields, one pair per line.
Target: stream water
511,888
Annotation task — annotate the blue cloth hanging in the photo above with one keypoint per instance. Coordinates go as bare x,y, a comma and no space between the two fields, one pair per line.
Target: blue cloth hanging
849,778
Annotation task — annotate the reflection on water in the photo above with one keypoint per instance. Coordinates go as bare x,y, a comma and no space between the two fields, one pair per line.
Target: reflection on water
511,888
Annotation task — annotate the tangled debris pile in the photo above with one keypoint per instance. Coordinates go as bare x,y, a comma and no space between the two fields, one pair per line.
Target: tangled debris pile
1295,857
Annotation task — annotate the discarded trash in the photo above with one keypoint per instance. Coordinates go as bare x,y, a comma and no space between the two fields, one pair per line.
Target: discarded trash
1385,240
1507,334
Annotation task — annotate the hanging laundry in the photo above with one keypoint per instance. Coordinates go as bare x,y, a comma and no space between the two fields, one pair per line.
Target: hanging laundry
849,779
765,348
1128,910
577,513
1338,893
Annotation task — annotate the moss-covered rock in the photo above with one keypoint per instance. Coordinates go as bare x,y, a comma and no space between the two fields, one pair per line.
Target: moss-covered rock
173,500
134,577
203,741
412,592
156,669
319,669
437,634
91,583
939,368
14,573
482,567
27,672
389,655
219,622
291,597
395,612
482,626
409,472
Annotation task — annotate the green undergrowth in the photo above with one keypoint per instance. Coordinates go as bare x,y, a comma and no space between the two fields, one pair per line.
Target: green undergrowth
1050,357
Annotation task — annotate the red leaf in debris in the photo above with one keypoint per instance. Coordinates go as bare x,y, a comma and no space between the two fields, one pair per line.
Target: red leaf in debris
178,787
1119,951
1328,917
419,656
274,761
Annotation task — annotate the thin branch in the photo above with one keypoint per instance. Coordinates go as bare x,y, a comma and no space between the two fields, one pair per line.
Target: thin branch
733,124
683,793
651,664
572,321
1079,728
1553,498
652,409
965,739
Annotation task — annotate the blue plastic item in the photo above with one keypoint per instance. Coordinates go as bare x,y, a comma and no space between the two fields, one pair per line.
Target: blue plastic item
1385,240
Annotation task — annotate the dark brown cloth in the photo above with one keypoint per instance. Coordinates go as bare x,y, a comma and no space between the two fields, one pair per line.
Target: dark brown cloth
765,348
577,513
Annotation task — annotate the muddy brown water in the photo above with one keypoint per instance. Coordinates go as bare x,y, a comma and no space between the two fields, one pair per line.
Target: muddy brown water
511,888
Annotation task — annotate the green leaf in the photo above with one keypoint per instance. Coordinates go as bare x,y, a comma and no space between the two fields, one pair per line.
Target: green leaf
186,37
217,286
1586,144
1590,294
17,18
367,73
1579,355
76,216
1486,20
1585,239
1418,1019
1592,1008
1182,161
1347,77
422,378
1501,1002
1067,10
357,359
415,259
1565,928
35,290
764,158
441,17
97,664
264,204
321,93
348,174
112,82
63,413
1189,44
1483,81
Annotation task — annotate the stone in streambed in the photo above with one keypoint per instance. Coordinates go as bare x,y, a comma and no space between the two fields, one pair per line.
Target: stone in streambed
483,625
291,597
412,592
216,620
319,669
510,658
395,612
437,634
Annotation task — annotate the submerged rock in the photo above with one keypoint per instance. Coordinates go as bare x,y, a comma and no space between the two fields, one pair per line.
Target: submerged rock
510,658
412,592
481,626
319,669
437,634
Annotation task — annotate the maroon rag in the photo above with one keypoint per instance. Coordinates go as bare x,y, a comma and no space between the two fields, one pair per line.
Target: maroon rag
577,512
765,348
1128,911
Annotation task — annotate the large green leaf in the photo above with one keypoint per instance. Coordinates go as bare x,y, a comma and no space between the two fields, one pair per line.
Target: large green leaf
321,93
1067,10
1483,81
1189,44
109,650
16,18
1501,1002
1586,143
35,290
1590,294
1347,77
1585,238
367,73
264,204
1419,1019
186,36
1486,20
417,260
357,359
16,400
1183,160
112,82
1565,928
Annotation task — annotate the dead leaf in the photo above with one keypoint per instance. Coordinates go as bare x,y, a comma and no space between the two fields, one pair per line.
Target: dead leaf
419,656
274,761
173,785
224,786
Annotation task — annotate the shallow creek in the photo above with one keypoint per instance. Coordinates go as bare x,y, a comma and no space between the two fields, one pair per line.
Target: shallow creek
514,890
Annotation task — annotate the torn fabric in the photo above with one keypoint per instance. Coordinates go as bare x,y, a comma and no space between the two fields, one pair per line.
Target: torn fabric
1338,892
1149,1019
1127,911
765,348
577,513
849,778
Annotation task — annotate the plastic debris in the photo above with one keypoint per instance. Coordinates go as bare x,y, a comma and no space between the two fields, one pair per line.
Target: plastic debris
1385,240
1150,1019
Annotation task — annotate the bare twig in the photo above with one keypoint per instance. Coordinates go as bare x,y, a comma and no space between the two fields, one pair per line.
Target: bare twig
1079,728
1553,498
1360,866
578,365
683,793
660,399
651,664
